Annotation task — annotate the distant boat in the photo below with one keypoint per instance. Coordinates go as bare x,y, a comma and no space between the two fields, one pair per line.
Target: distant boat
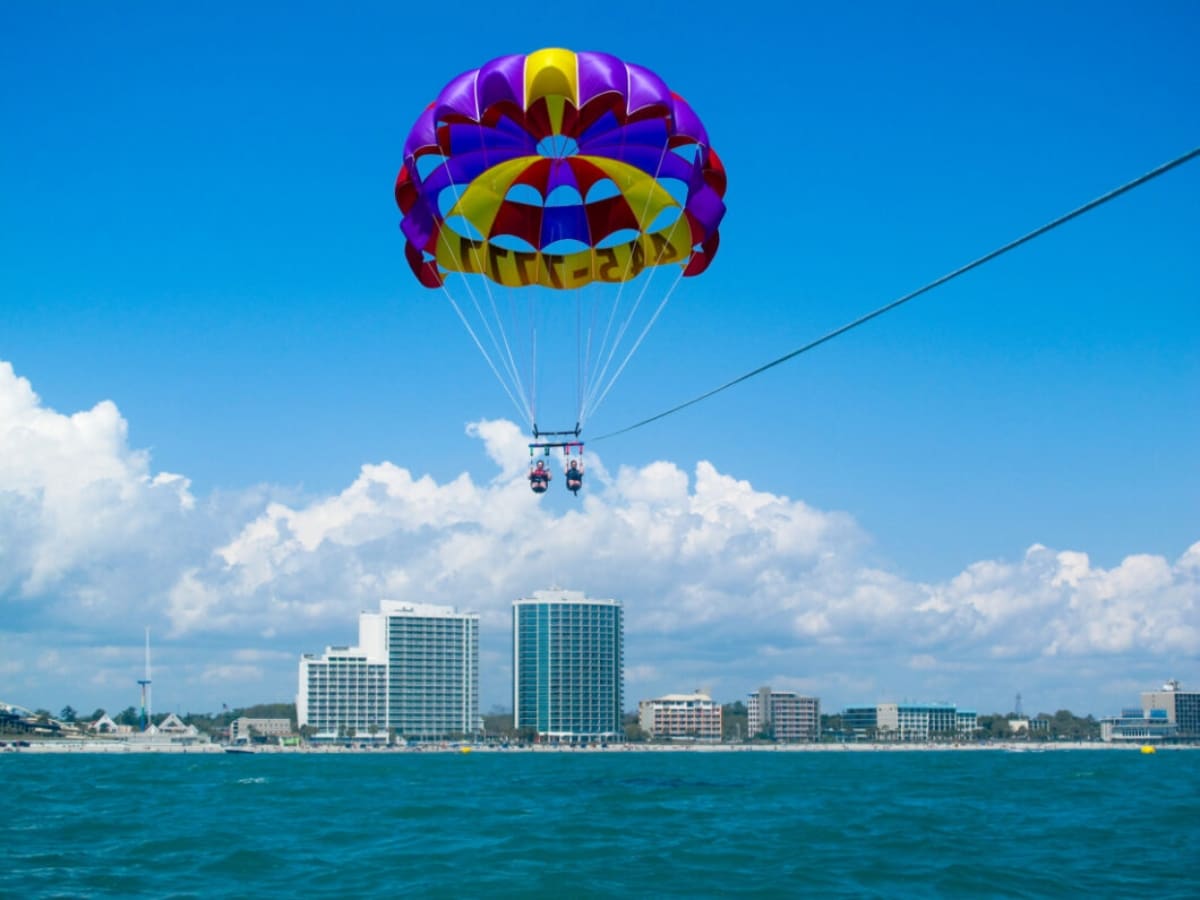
233,749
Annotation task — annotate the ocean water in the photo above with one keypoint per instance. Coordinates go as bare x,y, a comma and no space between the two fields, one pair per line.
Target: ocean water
519,824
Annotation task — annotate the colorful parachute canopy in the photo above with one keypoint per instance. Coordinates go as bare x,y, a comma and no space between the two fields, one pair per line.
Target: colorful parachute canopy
559,169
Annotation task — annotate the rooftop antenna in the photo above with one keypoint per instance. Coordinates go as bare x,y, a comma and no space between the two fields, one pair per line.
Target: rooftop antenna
1017,710
145,683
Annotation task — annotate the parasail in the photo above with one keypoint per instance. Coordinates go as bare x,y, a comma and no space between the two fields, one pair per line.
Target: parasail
555,181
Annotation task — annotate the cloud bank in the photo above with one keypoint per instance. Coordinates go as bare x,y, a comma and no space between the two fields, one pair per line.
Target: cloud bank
726,586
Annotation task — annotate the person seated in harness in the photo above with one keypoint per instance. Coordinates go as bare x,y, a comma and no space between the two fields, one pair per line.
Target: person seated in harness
539,478
574,477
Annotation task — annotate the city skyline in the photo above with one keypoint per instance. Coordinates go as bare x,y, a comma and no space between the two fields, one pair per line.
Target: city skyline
371,649
229,413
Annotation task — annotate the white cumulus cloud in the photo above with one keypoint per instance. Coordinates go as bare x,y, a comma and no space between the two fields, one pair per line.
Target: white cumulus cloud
725,584
80,511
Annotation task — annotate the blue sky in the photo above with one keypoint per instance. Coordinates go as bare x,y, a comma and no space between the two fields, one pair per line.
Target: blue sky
198,226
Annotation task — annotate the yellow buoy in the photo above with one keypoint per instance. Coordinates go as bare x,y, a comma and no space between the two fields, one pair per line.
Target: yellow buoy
468,749
1147,749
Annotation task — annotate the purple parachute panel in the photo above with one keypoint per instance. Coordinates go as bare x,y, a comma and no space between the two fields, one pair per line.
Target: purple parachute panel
524,146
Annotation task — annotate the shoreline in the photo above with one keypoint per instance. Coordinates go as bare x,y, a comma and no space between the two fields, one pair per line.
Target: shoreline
140,747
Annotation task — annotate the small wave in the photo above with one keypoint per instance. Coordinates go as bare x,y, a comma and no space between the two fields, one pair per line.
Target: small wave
257,779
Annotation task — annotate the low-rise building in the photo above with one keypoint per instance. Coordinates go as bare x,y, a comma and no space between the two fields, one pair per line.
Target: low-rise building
922,721
1182,708
690,717
1140,725
245,729
1167,715
783,715
171,730
966,722
909,721
860,722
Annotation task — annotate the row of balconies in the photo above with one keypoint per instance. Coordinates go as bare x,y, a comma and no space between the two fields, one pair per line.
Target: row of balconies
381,713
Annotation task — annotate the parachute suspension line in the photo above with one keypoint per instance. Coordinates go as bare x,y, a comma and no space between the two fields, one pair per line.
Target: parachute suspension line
533,375
507,363
616,343
533,312
514,323
621,288
522,408
637,343
924,289
578,358
586,381
612,315
506,358
596,389
512,364
601,296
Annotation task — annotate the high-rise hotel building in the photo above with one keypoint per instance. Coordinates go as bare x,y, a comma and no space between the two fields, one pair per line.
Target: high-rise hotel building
568,666
415,672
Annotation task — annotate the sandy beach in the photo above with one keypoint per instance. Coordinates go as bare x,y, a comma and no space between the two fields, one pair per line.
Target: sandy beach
110,746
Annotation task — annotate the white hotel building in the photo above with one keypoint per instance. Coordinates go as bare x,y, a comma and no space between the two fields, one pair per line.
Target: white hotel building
414,673
689,717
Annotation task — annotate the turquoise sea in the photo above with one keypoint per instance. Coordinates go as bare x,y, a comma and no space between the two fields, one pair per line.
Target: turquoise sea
518,824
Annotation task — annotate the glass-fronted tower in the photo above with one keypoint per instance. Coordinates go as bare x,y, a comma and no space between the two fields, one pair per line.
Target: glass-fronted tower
568,666
433,671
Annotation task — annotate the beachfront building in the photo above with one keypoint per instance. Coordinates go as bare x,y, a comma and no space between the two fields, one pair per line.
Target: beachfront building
343,694
414,674
860,722
1167,715
966,723
1141,725
915,721
909,721
783,715
246,729
682,717
568,667
171,731
1182,708
105,725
